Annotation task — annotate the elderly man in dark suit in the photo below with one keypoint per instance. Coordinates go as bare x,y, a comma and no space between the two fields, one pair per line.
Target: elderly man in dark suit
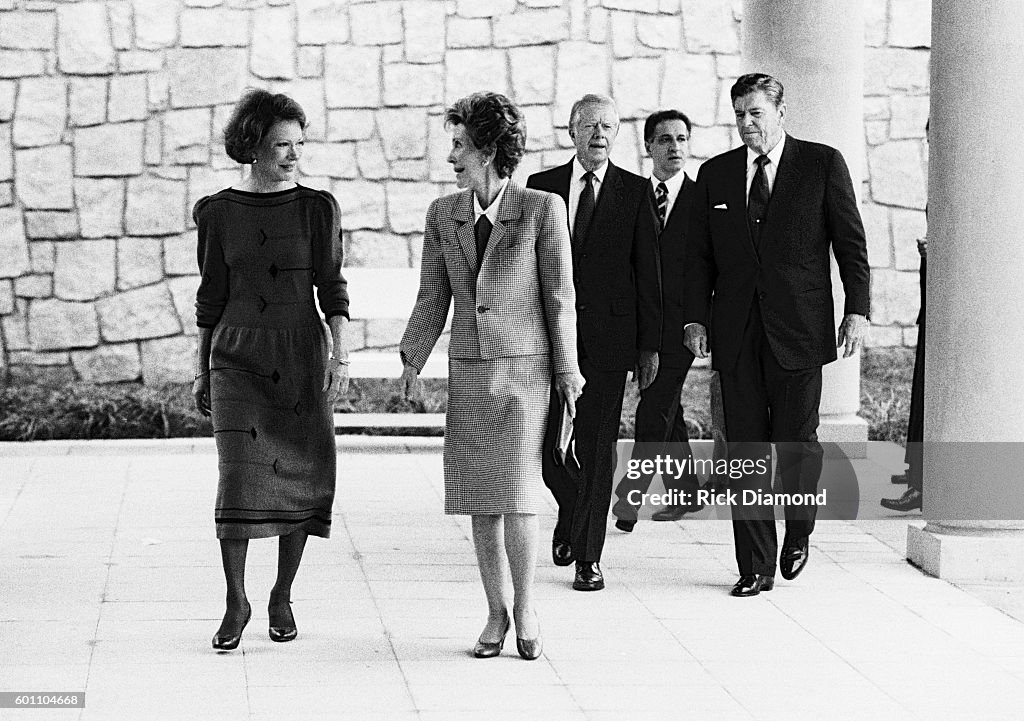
757,271
659,416
618,309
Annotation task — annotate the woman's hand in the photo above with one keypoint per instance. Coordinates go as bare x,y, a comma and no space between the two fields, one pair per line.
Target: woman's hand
569,387
335,381
201,393
410,382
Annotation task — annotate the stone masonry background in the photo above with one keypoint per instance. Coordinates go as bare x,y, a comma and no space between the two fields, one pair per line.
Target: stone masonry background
111,112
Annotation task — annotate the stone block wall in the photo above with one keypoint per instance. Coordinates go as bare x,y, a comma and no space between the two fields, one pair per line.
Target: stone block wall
111,113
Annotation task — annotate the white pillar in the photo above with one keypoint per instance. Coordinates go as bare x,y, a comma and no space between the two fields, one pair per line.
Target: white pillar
816,50
974,372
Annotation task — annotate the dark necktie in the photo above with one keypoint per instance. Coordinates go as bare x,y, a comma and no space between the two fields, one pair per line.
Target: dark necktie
757,202
584,211
483,234
661,196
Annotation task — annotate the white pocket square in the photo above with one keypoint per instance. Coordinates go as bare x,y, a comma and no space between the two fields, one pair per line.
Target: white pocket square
721,206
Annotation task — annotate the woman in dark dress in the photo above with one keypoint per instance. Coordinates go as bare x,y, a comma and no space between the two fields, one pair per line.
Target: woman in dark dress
262,366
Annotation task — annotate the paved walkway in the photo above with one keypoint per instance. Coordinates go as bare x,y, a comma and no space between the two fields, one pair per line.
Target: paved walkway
110,584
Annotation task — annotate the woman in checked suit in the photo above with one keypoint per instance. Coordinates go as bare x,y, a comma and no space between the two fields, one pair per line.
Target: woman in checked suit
502,252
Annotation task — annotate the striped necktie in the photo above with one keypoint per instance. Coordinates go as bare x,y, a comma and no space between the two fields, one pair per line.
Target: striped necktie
661,196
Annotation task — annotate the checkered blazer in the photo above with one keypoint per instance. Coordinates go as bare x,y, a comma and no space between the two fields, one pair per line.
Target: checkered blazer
521,302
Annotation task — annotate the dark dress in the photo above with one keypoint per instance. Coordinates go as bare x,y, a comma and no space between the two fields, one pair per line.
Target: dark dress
260,254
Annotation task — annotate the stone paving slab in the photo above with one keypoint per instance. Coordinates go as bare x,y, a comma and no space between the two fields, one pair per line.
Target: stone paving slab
111,584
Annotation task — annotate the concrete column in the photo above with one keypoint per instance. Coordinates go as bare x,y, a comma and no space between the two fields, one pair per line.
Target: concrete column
816,50
974,393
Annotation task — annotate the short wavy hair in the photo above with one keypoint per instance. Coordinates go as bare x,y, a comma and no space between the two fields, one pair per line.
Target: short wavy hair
754,82
252,118
492,121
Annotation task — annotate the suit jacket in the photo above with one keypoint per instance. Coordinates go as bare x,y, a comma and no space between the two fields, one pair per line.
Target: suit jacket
518,301
672,241
615,268
812,208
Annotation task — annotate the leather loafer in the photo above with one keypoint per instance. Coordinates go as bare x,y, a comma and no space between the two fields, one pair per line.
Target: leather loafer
676,511
753,585
484,649
911,500
561,552
624,525
793,559
287,631
230,641
588,576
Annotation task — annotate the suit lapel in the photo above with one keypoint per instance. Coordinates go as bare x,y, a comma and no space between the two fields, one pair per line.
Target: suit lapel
462,214
609,200
787,180
510,210
736,198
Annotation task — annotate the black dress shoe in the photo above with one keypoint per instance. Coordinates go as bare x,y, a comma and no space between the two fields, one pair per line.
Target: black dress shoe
899,479
676,511
229,641
793,559
753,585
588,576
484,649
912,499
624,525
286,631
561,552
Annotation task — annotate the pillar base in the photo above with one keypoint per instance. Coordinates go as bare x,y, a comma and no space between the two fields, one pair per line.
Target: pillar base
849,432
997,557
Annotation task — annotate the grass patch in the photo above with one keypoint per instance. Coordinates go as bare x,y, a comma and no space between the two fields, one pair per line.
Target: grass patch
81,411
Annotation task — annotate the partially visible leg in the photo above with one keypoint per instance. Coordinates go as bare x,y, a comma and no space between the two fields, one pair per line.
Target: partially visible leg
557,478
490,558
232,554
521,539
289,555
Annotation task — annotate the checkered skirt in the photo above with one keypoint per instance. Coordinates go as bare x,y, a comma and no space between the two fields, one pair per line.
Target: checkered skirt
494,430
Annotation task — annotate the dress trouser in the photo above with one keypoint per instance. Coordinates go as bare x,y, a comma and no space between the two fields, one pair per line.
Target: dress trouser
584,496
763,403
661,428
914,457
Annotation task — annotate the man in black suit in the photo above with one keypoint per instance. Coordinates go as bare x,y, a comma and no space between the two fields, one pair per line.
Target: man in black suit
618,310
659,416
757,271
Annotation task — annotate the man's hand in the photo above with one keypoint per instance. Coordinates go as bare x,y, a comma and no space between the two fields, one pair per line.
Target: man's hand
569,387
646,368
695,338
410,382
851,333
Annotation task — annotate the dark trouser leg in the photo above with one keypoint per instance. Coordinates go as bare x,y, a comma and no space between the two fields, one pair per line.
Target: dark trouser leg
597,429
747,426
793,400
560,480
915,427
660,422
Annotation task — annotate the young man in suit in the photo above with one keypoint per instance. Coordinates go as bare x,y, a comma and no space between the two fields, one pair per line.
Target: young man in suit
757,271
618,310
659,416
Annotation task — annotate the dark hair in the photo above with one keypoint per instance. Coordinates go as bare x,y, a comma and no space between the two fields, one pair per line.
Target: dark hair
651,124
253,116
492,122
754,82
